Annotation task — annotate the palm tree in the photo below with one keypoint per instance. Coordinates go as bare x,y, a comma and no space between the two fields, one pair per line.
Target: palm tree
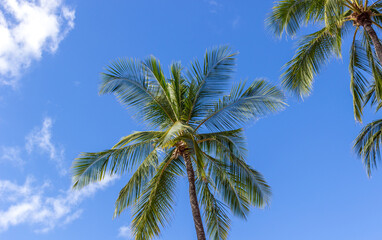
194,131
335,19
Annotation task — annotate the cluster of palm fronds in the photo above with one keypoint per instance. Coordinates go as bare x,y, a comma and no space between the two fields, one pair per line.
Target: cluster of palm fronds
185,109
336,20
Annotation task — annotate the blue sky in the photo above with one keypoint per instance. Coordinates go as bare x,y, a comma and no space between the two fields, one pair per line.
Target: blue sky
51,54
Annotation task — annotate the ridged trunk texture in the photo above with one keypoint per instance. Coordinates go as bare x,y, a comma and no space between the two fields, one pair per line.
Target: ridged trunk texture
193,199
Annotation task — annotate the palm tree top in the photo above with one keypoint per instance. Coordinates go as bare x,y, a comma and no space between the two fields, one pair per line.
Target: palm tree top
193,126
335,19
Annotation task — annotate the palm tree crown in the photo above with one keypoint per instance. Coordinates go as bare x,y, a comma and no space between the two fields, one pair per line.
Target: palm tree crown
195,131
335,19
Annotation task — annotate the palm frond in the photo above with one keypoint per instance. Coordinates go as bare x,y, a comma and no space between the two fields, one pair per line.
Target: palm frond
314,51
367,145
358,83
243,105
288,16
229,187
131,192
92,167
157,200
129,80
178,91
257,190
215,215
208,81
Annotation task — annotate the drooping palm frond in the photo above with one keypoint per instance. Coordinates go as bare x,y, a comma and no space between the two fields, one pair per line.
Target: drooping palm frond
358,82
367,145
314,51
131,192
288,16
217,220
92,167
156,202
228,186
243,105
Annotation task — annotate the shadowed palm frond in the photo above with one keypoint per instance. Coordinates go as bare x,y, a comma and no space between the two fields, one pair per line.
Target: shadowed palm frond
156,202
131,192
217,220
367,145
92,167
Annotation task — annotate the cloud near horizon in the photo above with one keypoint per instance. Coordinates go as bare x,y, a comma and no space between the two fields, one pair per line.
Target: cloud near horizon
27,29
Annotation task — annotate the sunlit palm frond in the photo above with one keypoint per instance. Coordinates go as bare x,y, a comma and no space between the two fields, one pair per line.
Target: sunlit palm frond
288,16
208,80
243,105
130,81
92,167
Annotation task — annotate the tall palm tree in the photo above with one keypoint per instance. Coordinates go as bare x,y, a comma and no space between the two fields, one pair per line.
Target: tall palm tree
335,20
195,131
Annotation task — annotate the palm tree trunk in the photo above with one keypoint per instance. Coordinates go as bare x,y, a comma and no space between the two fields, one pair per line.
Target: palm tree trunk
194,200
377,44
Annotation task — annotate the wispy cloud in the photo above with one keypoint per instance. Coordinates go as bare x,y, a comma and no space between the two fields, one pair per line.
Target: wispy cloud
236,22
11,155
28,204
41,138
27,29
125,232
214,6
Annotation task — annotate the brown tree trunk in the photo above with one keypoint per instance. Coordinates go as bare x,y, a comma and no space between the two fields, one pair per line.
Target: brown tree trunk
377,44
194,200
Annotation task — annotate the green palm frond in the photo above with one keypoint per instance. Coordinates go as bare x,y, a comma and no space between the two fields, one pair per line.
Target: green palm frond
358,83
220,142
178,88
243,105
131,192
130,81
208,80
156,202
229,186
367,145
315,50
288,16
217,220
175,108
92,167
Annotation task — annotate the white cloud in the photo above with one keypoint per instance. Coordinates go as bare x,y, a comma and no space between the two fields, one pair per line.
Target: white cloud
41,138
28,204
11,155
27,29
125,232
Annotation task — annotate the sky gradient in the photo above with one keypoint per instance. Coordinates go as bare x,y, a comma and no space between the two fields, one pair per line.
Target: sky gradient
50,111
